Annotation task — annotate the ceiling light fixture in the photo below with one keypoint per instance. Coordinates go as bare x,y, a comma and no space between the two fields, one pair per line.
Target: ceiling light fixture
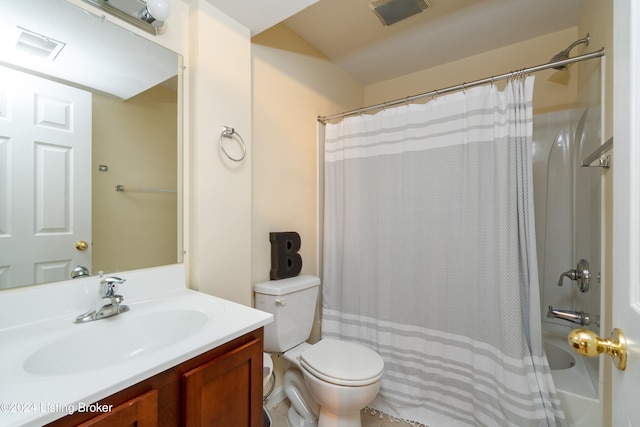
391,11
149,16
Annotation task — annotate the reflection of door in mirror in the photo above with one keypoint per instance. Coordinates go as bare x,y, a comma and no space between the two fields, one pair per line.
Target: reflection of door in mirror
45,156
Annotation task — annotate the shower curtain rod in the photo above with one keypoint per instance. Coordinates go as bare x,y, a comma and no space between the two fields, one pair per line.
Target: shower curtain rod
463,86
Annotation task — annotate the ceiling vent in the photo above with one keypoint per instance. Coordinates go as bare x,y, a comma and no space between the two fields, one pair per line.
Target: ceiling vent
391,11
38,45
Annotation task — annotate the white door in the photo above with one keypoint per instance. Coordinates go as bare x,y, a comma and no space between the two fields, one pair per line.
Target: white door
45,179
626,227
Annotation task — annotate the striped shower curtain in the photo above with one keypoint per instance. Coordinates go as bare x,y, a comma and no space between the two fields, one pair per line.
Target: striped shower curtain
430,258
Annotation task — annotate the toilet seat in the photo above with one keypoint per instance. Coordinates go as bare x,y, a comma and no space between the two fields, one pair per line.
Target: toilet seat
342,363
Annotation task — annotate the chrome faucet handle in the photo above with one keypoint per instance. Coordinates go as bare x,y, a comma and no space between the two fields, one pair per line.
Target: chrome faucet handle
109,286
581,274
571,274
109,303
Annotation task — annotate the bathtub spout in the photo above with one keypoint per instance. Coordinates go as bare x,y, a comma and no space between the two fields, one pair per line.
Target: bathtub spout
579,317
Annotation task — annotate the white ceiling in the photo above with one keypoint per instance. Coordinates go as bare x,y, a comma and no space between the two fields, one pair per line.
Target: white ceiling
258,15
349,33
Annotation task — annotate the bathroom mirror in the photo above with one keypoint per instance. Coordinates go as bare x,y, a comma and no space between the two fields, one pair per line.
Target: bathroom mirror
89,146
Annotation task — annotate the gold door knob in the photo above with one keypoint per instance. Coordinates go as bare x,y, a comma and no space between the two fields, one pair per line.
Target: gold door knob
587,343
81,245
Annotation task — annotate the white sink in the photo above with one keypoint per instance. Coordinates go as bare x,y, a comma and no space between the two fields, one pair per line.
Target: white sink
107,342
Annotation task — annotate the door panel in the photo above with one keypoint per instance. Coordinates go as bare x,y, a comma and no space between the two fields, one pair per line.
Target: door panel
626,208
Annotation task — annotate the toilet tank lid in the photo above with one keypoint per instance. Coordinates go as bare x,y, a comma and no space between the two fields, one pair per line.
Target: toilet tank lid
287,286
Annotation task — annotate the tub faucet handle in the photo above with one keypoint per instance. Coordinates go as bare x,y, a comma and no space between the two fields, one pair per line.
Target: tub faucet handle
581,275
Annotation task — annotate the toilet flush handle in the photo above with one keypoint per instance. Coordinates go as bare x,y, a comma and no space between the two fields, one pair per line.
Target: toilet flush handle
281,301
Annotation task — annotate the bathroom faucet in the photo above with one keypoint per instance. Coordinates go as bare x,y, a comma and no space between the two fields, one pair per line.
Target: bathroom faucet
578,317
109,303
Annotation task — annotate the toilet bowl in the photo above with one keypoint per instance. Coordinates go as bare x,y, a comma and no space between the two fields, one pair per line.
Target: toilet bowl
329,382
343,377
340,406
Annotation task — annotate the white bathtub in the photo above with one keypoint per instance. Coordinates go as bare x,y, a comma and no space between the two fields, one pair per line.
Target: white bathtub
577,389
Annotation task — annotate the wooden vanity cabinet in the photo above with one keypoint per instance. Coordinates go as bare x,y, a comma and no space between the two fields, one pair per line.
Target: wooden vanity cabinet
222,387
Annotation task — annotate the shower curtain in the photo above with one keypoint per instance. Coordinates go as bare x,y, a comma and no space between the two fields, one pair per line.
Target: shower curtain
430,258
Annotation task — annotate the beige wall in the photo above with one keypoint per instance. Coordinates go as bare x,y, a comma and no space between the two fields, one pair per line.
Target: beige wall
292,84
136,139
218,190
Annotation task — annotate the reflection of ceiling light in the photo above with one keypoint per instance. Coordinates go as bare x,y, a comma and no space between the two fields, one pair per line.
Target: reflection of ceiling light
392,11
38,45
149,15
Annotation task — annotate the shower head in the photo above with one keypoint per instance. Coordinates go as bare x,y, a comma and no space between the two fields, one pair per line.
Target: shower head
565,53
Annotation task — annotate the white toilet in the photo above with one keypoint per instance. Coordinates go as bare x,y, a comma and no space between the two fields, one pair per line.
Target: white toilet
330,381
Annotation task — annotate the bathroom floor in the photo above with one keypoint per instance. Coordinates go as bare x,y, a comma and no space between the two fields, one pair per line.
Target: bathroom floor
279,418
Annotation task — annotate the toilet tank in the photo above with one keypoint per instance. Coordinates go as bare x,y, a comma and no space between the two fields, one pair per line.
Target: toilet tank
292,302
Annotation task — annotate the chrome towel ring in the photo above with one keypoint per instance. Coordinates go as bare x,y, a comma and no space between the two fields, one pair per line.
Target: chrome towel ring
229,132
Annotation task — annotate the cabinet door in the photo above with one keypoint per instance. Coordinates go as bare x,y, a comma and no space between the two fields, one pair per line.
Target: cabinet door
226,391
141,411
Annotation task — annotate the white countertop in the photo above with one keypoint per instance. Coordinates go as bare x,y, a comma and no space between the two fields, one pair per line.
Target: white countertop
32,318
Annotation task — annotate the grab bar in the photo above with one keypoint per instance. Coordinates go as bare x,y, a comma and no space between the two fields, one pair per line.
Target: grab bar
603,162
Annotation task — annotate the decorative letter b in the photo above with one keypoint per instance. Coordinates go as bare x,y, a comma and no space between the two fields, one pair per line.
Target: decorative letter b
285,259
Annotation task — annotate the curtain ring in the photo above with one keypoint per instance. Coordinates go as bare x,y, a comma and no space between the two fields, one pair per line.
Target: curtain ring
228,132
